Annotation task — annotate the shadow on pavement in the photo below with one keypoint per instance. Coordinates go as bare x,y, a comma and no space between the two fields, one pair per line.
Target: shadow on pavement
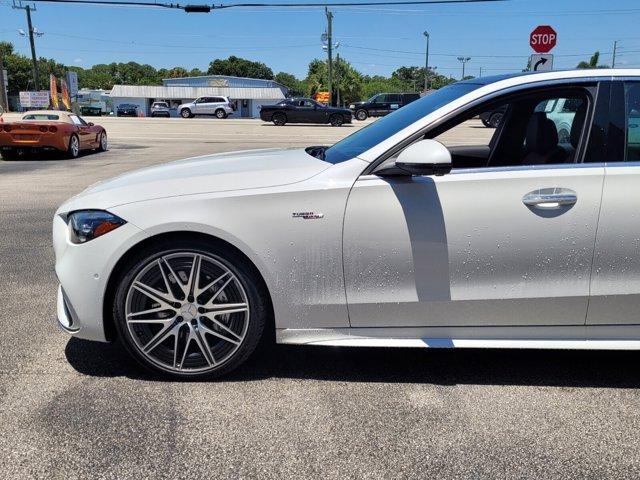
434,366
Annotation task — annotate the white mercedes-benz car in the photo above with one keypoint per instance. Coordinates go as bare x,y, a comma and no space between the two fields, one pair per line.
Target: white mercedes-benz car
387,238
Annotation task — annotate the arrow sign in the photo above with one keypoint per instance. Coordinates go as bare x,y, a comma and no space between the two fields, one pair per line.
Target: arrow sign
542,62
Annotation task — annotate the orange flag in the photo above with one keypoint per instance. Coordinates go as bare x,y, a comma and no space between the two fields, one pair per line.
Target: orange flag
64,90
53,90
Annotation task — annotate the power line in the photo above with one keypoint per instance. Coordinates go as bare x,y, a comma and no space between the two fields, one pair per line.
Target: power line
204,8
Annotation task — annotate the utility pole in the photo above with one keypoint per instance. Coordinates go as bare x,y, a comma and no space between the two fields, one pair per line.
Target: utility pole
615,48
4,103
426,63
338,79
329,52
464,61
480,71
34,59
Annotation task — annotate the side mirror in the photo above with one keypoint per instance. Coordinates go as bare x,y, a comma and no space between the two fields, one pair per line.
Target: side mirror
91,124
426,157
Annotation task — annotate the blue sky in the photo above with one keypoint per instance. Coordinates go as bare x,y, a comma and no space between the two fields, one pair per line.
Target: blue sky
376,40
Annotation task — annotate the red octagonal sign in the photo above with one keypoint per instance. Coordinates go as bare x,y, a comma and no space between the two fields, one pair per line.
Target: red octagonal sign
543,39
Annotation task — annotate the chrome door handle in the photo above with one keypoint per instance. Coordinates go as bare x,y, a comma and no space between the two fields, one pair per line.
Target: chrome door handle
550,198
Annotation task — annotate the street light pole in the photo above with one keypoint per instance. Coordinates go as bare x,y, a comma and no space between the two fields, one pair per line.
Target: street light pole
426,63
464,61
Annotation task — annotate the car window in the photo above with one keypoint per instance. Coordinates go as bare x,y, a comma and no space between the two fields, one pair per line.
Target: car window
40,116
632,110
535,130
378,131
77,120
308,104
393,97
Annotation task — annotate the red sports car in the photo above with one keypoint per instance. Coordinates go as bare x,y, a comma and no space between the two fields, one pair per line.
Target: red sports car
50,130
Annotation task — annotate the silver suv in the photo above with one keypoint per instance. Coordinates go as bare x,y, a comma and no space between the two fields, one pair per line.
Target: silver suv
221,107
160,109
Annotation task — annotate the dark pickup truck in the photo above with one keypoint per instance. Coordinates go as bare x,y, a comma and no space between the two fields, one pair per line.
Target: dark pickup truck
382,104
304,110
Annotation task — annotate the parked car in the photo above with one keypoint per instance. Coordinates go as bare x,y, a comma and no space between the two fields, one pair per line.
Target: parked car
220,107
387,238
304,110
50,130
88,111
492,118
160,109
382,104
559,110
127,110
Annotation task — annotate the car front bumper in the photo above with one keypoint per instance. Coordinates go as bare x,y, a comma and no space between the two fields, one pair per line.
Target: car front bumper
83,271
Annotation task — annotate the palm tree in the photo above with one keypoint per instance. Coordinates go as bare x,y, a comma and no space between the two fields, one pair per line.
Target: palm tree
592,63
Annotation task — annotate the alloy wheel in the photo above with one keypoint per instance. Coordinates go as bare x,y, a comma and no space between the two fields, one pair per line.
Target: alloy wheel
103,141
187,312
74,146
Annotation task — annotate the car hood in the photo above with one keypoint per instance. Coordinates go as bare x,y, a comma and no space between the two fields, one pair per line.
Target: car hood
243,170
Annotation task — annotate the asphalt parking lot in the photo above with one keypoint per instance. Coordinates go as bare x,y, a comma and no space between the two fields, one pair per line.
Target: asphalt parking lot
76,409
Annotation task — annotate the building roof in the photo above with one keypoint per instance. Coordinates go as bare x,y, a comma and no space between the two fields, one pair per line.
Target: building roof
180,92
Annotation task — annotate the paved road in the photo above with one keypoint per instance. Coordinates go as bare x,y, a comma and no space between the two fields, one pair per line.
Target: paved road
75,409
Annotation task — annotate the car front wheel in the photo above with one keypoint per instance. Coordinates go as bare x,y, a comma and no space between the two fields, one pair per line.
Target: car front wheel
103,142
361,115
185,113
189,310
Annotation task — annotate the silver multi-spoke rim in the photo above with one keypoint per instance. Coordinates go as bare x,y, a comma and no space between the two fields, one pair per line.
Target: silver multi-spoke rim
103,141
187,312
74,146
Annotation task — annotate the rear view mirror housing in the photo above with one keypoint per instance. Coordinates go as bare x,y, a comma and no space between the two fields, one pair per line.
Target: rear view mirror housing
426,157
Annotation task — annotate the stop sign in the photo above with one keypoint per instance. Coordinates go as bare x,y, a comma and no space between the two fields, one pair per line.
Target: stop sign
543,39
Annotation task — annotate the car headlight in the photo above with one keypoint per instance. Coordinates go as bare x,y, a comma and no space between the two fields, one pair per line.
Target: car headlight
352,106
85,225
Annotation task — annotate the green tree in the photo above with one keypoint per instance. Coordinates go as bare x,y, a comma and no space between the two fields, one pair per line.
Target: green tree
296,87
240,67
592,63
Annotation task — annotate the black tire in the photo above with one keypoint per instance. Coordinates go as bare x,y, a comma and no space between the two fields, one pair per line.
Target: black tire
495,119
73,150
103,147
9,154
220,113
361,114
336,120
186,113
259,311
279,119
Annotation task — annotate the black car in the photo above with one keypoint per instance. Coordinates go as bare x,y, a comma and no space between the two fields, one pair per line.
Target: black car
492,118
382,104
304,110
127,110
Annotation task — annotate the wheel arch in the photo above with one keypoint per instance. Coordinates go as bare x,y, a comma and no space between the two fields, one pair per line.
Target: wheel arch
111,285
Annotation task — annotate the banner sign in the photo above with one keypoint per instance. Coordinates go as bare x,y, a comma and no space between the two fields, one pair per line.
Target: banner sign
53,89
34,99
64,91
72,83
322,97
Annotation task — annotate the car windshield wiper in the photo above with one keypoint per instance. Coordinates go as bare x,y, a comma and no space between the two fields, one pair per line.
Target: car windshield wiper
317,151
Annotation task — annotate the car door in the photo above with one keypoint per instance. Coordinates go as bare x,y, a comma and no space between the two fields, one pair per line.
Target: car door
84,132
394,101
495,245
311,112
202,106
615,283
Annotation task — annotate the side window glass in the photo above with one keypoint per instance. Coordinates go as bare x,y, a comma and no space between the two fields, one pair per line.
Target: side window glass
632,107
537,129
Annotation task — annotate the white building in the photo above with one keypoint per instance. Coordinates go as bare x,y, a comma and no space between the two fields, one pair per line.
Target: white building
247,93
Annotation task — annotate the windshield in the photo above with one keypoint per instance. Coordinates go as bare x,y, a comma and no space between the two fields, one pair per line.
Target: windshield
368,137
